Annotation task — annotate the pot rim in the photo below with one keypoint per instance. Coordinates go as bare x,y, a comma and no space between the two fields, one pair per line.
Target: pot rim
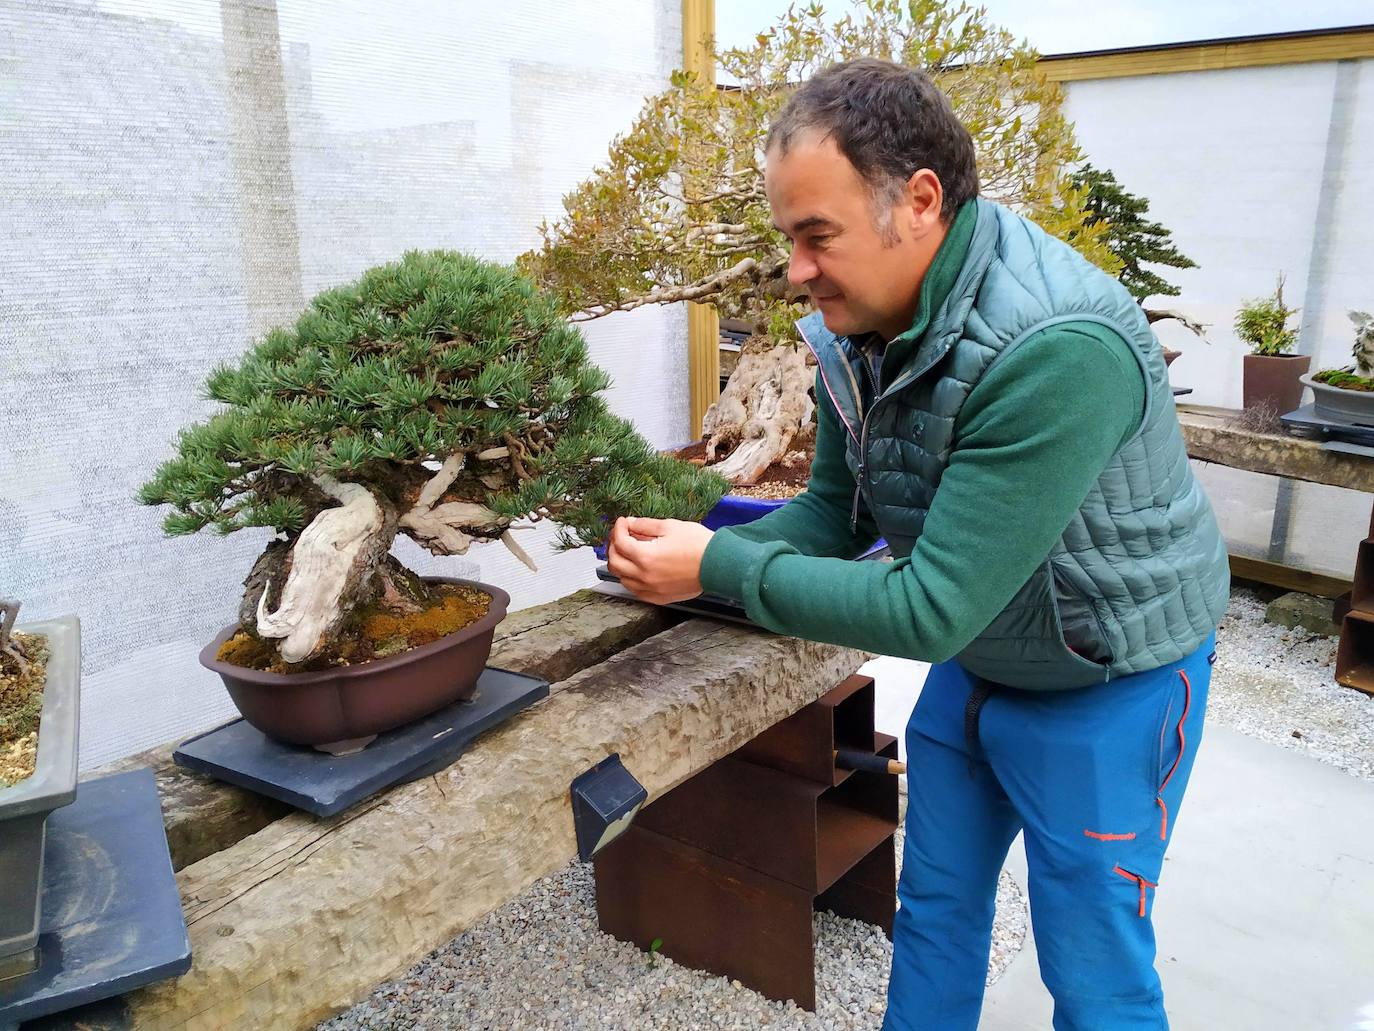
500,602
1280,357
1309,379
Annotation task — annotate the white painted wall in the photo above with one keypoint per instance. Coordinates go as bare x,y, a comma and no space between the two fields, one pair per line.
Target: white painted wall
124,276
1234,162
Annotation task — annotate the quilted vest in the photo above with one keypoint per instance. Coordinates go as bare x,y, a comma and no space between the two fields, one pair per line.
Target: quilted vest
1139,578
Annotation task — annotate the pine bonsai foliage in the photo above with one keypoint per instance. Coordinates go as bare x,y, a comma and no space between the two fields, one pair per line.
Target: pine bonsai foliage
440,396
1129,234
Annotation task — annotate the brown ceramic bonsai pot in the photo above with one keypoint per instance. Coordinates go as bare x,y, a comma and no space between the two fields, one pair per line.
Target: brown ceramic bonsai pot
1274,380
340,710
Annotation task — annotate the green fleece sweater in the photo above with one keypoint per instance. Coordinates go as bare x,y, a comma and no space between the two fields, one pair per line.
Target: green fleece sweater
1032,438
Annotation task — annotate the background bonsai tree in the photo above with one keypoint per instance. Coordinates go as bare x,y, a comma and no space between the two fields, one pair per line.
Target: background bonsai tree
678,211
1360,375
1363,351
440,397
1135,240
1263,324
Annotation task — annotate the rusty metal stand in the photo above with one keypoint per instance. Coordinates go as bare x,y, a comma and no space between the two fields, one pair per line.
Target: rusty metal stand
1355,654
727,868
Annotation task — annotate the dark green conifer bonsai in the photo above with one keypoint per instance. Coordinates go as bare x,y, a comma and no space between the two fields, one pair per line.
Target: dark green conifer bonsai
441,397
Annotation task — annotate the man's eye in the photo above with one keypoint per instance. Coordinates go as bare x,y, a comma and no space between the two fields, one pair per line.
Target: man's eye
819,241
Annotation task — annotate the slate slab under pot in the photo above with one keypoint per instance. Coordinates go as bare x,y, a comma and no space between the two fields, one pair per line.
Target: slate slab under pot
26,806
341,709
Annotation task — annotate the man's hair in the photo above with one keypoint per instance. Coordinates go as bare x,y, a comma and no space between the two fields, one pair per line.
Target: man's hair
889,120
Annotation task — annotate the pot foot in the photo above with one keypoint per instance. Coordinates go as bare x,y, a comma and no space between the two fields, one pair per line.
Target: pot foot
348,746
19,964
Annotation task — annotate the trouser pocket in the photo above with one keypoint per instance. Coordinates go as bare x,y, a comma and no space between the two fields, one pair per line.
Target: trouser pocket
1173,745
1140,881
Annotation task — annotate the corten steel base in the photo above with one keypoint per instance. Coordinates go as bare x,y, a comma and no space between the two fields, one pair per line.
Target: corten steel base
1355,654
727,868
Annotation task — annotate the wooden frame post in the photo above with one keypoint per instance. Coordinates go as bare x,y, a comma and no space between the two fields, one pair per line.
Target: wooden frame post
703,322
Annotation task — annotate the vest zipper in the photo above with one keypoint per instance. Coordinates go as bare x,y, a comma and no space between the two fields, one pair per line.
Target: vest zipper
864,416
863,446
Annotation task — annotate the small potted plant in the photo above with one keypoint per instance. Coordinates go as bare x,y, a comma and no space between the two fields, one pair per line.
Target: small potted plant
40,692
441,398
1347,394
1272,376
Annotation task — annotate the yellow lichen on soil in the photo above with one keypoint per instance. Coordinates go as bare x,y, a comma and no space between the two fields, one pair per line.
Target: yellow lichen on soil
246,650
459,607
373,632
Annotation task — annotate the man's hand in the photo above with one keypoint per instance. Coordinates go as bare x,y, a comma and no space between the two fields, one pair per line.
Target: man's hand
658,559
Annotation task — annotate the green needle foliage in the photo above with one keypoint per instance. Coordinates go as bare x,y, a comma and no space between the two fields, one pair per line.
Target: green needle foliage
1129,235
381,379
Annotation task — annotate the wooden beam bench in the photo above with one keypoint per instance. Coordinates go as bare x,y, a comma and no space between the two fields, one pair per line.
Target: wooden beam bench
293,919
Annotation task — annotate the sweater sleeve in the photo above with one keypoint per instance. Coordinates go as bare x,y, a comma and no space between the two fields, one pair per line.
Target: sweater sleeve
817,521
1030,441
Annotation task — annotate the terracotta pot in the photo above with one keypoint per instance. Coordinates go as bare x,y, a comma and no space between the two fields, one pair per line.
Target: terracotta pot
1169,355
1274,380
350,704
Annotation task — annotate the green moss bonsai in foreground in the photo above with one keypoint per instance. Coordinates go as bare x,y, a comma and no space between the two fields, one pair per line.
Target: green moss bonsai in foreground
1359,376
440,397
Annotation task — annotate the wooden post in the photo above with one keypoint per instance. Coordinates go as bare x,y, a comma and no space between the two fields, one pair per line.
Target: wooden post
703,322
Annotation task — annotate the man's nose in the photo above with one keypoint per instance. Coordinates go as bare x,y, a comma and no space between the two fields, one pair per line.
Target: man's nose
801,269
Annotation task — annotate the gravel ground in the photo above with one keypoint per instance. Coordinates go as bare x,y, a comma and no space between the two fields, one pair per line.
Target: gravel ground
540,962
1278,685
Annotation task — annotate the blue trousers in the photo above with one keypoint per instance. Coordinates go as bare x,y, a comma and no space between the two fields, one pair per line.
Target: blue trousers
1094,778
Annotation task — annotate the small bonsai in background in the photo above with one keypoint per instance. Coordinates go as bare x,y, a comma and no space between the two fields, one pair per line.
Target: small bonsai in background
1135,240
440,397
1132,237
1359,376
1263,323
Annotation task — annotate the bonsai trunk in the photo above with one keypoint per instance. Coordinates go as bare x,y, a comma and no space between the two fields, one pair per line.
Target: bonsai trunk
302,591
764,406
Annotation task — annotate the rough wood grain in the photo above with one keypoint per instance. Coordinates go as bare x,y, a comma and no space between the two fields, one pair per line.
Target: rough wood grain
1210,437
553,641
302,918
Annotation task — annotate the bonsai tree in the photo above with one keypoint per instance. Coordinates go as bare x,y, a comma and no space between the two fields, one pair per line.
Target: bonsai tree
440,397
1135,240
678,211
1263,324
1359,376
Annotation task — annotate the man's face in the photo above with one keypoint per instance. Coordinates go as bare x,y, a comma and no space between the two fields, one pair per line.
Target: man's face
861,278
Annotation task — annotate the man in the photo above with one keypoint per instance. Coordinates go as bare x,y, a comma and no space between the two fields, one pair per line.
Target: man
998,410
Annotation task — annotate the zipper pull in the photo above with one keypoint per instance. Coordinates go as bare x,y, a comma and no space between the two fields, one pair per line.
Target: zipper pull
854,512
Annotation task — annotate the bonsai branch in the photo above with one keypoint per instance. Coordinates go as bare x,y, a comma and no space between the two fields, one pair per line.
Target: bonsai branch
450,527
708,287
1153,315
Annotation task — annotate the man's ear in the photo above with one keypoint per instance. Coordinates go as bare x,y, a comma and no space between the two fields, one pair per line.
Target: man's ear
925,198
